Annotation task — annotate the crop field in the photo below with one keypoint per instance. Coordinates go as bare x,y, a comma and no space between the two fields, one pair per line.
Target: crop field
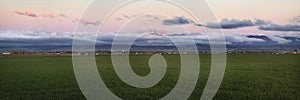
247,76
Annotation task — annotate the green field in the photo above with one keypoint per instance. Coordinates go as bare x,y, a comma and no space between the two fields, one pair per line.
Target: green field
247,76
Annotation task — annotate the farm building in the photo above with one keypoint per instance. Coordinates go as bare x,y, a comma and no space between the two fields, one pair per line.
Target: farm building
6,53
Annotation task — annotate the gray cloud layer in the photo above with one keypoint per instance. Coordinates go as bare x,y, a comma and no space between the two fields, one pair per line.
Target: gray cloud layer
32,39
275,27
177,21
88,22
237,23
230,24
270,26
261,24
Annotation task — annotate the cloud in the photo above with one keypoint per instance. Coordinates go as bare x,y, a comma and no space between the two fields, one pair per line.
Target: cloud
228,24
177,21
199,38
270,26
224,23
261,24
241,38
59,40
63,15
88,22
27,13
295,20
274,38
20,39
153,17
45,15
275,27
279,40
118,18
126,16
48,15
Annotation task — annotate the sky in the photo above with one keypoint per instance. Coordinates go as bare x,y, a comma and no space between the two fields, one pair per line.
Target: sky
237,18
61,15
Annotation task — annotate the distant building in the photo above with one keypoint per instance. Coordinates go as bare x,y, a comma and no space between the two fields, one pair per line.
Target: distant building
6,53
291,52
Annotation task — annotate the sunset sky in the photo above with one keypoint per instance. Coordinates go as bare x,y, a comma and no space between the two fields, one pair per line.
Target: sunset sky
61,15
53,22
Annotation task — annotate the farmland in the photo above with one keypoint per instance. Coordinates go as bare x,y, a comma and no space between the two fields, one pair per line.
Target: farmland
247,76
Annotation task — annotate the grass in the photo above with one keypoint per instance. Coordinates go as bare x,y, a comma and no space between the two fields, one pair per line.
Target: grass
247,76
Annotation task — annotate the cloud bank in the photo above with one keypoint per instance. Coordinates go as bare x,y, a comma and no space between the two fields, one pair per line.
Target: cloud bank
270,26
15,39
239,23
230,24
261,24
177,21
88,22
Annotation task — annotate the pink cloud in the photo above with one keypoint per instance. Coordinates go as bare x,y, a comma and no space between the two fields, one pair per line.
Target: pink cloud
49,15
27,13
45,15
